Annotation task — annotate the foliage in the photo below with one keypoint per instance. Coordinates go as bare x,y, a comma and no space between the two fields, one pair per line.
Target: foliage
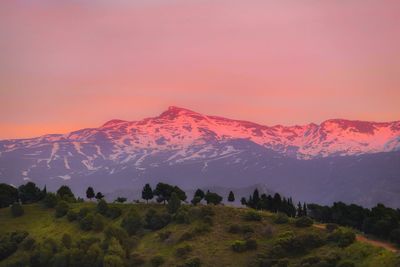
98,223
66,240
102,207
164,191
147,193
99,196
8,195
132,222
72,215
343,237
231,197
252,215
121,199
174,203
16,210
29,193
64,192
281,218
86,223
155,220
213,198
50,200
183,251
304,222
157,260
61,209
114,212
90,193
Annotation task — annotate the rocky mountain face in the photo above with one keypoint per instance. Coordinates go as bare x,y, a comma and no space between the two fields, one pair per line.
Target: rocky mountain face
353,161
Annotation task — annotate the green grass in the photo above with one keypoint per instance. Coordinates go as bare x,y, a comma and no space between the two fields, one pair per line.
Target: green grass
213,248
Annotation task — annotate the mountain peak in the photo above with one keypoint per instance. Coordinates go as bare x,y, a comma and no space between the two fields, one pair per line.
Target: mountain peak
173,112
112,122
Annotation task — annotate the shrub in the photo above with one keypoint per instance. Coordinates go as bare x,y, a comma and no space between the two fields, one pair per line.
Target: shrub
157,260
132,223
281,218
268,231
342,237
18,236
86,223
102,207
252,215
304,222
183,251
66,240
188,235
240,229
28,243
201,229
98,223
182,216
208,220
62,209
82,213
50,200
156,221
330,227
174,203
7,248
16,210
196,200
72,215
206,211
114,212
239,246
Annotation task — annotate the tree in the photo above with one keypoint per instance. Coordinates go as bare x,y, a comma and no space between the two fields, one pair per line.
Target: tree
65,193
90,193
132,222
99,196
8,195
213,198
196,200
155,220
243,201
174,203
256,198
199,193
121,199
17,210
50,200
163,192
147,193
231,197
29,193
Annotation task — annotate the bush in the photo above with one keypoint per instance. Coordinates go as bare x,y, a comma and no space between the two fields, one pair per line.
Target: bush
342,237
82,213
86,223
239,246
113,261
7,247
156,221
188,235
132,223
18,236
252,215
182,216
206,211
183,251
102,207
330,227
157,260
174,203
28,243
304,222
50,200
281,218
114,212
201,229
208,220
72,215
62,209
16,210
98,223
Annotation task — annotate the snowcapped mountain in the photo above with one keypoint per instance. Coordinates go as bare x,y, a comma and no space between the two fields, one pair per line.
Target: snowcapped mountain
179,142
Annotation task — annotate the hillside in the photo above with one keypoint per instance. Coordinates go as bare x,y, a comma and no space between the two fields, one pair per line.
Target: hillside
199,236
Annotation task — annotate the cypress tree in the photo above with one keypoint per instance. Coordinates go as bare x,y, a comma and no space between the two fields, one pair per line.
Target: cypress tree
299,210
231,197
90,193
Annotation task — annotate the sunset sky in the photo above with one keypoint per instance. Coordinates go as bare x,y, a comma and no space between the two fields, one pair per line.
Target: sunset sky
71,64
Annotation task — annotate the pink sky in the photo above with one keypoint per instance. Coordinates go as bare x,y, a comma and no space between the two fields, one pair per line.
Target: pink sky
66,65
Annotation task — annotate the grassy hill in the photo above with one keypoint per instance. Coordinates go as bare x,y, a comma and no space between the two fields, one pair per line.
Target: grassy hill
194,236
